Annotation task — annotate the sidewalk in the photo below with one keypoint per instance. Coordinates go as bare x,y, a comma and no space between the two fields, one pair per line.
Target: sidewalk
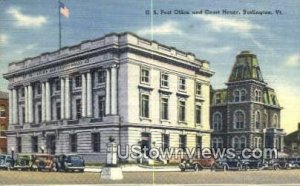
138,168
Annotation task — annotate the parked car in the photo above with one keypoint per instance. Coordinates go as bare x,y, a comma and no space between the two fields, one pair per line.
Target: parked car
197,164
43,162
6,161
23,162
229,164
252,163
294,162
284,163
69,162
271,164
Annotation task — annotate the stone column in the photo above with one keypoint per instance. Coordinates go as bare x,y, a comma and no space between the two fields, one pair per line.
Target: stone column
15,106
43,101
26,104
62,98
107,93
48,102
30,104
83,95
10,105
114,90
89,96
67,98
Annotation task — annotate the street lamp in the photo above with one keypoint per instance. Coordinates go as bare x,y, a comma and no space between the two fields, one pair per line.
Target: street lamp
12,155
264,143
42,149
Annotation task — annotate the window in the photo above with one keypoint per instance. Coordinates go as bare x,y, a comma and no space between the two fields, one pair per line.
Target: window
266,120
101,106
164,81
181,111
19,144
145,106
145,76
275,121
198,89
243,95
34,144
57,85
182,84
239,120
218,98
217,121
2,111
182,142
258,96
236,95
96,142
199,142
217,143
78,108
198,114
73,142
23,114
165,141
38,88
236,142
78,81
39,112
257,120
164,108
58,109
257,142
101,76
243,142
22,92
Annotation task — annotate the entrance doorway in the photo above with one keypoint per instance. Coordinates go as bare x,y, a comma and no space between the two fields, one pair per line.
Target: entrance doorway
51,144
146,142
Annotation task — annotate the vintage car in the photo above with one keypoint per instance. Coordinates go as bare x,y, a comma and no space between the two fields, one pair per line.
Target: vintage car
23,162
271,164
294,162
227,163
197,164
6,161
69,162
43,162
252,163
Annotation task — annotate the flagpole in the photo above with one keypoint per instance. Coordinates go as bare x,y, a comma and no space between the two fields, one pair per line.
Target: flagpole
59,25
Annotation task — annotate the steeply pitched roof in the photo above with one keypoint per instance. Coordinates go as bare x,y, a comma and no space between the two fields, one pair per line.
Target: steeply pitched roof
3,95
246,67
269,97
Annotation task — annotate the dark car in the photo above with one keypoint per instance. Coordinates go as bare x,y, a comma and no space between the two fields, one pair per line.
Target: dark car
69,162
294,162
229,164
6,161
23,162
271,164
197,164
252,163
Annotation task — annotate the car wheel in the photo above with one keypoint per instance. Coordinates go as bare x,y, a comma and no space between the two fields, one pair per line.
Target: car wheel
225,168
276,167
246,167
182,169
213,167
197,167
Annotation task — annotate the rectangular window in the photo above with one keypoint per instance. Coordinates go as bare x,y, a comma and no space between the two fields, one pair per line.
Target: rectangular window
2,111
164,109
101,76
218,98
199,142
96,142
39,111
181,111
198,89
182,84
164,81
34,144
101,106
58,109
182,142
57,85
145,106
19,144
23,114
78,81
78,108
145,76
22,92
165,141
198,114
73,142
39,88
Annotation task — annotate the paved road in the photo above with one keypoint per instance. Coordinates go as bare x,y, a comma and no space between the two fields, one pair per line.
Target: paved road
205,177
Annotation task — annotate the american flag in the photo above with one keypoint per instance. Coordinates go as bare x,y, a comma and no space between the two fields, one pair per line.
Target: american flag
64,10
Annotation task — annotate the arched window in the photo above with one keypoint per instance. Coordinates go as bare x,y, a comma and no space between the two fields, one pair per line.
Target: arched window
236,142
217,142
257,120
236,95
217,121
275,121
239,120
266,120
243,95
243,141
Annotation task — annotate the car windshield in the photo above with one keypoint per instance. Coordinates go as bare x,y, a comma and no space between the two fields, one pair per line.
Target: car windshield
75,158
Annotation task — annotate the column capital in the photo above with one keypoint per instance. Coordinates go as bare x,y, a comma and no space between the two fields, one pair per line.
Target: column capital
111,65
86,71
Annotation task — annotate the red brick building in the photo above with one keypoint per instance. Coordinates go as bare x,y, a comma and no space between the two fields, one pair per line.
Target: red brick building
3,121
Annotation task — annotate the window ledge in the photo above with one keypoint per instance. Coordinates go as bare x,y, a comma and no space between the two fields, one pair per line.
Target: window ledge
182,94
144,118
165,91
182,122
165,121
146,87
199,97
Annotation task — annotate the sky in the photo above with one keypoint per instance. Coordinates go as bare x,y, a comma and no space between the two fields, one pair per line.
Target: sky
30,27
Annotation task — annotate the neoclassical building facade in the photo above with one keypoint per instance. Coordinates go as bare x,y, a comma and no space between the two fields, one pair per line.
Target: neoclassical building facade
138,91
246,114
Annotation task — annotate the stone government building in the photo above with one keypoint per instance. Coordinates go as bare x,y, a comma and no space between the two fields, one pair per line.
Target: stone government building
138,91
247,112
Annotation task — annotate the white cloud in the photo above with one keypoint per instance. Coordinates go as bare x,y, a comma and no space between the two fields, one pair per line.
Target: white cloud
3,39
216,50
166,28
26,48
26,20
293,60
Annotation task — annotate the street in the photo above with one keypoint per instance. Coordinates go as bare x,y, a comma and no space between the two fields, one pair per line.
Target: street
205,177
